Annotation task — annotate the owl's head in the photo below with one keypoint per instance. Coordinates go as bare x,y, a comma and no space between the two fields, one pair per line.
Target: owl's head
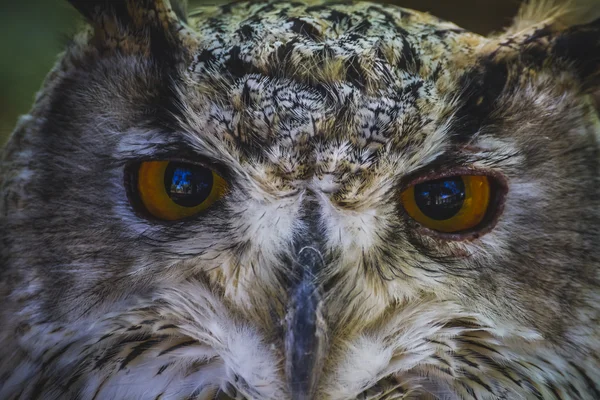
335,199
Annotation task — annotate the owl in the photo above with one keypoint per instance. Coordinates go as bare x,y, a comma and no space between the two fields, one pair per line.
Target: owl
306,200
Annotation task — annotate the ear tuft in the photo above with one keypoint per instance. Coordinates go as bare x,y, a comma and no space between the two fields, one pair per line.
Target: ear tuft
579,46
556,14
555,36
92,10
180,9
138,26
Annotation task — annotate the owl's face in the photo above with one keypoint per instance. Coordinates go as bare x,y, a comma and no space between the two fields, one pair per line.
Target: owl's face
281,200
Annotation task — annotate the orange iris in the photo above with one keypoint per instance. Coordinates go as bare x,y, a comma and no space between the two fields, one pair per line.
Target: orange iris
451,204
175,190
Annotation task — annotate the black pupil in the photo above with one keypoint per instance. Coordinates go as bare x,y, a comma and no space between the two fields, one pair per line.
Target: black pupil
188,185
440,199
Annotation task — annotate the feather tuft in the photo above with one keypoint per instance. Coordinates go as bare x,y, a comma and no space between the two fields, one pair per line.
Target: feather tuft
558,14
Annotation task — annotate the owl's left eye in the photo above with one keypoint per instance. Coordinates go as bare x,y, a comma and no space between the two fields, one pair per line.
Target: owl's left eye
451,204
171,190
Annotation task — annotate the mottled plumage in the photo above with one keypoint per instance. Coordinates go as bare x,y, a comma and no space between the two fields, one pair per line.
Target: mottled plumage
307,280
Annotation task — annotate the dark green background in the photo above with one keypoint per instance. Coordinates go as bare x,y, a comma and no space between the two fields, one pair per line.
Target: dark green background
33,32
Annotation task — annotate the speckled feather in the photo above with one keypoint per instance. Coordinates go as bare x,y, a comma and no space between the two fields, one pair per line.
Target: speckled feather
318,115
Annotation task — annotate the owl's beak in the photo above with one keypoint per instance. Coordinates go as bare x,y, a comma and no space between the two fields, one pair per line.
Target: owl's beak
305,338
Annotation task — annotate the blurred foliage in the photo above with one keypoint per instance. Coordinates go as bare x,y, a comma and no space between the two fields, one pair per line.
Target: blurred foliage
33,32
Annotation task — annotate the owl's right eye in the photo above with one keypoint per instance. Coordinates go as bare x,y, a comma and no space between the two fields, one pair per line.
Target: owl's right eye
172,190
